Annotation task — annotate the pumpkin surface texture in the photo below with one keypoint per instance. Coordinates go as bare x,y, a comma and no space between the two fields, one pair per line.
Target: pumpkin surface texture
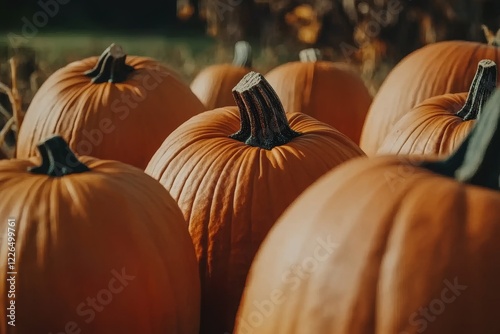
438,125
387,245
330,92
114,107
100,247
436,69
233,171
214,84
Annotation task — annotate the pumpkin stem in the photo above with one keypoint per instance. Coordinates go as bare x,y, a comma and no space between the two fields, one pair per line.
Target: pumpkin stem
111,66
310,55
492,38
480,90
57,159
242,54
263,120
476,161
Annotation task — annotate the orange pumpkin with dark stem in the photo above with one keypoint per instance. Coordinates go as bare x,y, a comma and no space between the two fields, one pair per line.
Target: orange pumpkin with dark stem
439,124
214,84
384,245
232,188
92,235
330,92
116,107
433,70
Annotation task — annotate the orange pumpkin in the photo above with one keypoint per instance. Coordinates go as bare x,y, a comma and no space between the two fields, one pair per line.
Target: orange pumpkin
214,84
115,107
232,188
433,70
92,245
439,124
387,245
330,92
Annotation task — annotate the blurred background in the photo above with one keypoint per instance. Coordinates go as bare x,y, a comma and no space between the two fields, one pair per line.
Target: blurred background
188,35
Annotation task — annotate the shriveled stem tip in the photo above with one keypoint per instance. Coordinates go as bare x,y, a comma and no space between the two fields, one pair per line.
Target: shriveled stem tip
57,159
310,55
263,120
111,66
483,85
242,54
491,38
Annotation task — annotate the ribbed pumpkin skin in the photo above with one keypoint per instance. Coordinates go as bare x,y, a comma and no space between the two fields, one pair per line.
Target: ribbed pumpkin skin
73,232
213,85
431,128
398,236
330,92
131,118
231,194
436,69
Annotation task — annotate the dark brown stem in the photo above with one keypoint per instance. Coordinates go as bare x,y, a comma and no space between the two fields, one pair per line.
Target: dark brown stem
482,87
242,54
111,66
57,159
310,55
263,120
477,161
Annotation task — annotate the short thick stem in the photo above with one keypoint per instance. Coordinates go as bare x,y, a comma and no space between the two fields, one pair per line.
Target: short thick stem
483,85
57,159
263,120
477,160
242,54
111,66
310,55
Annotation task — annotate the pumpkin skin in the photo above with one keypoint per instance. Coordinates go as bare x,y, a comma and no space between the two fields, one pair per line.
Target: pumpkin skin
436,69
438,125
111,231
214,84
125,121
231,193
330,92
385,245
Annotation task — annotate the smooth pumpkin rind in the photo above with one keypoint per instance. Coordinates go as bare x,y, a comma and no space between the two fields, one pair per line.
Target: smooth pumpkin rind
330,92
389,258
77,234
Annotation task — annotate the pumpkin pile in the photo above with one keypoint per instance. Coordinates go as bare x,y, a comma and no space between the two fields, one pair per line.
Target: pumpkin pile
246,202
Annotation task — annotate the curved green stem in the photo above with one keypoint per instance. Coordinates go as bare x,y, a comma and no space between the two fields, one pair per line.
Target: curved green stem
242,54
57,159
483,85
111,66
477,160
263,120
310,55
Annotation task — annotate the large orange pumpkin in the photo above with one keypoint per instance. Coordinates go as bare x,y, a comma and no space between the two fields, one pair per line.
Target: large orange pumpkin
232,188
439,124
330,92
436,69
100,247
214,84
387,245
115,107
